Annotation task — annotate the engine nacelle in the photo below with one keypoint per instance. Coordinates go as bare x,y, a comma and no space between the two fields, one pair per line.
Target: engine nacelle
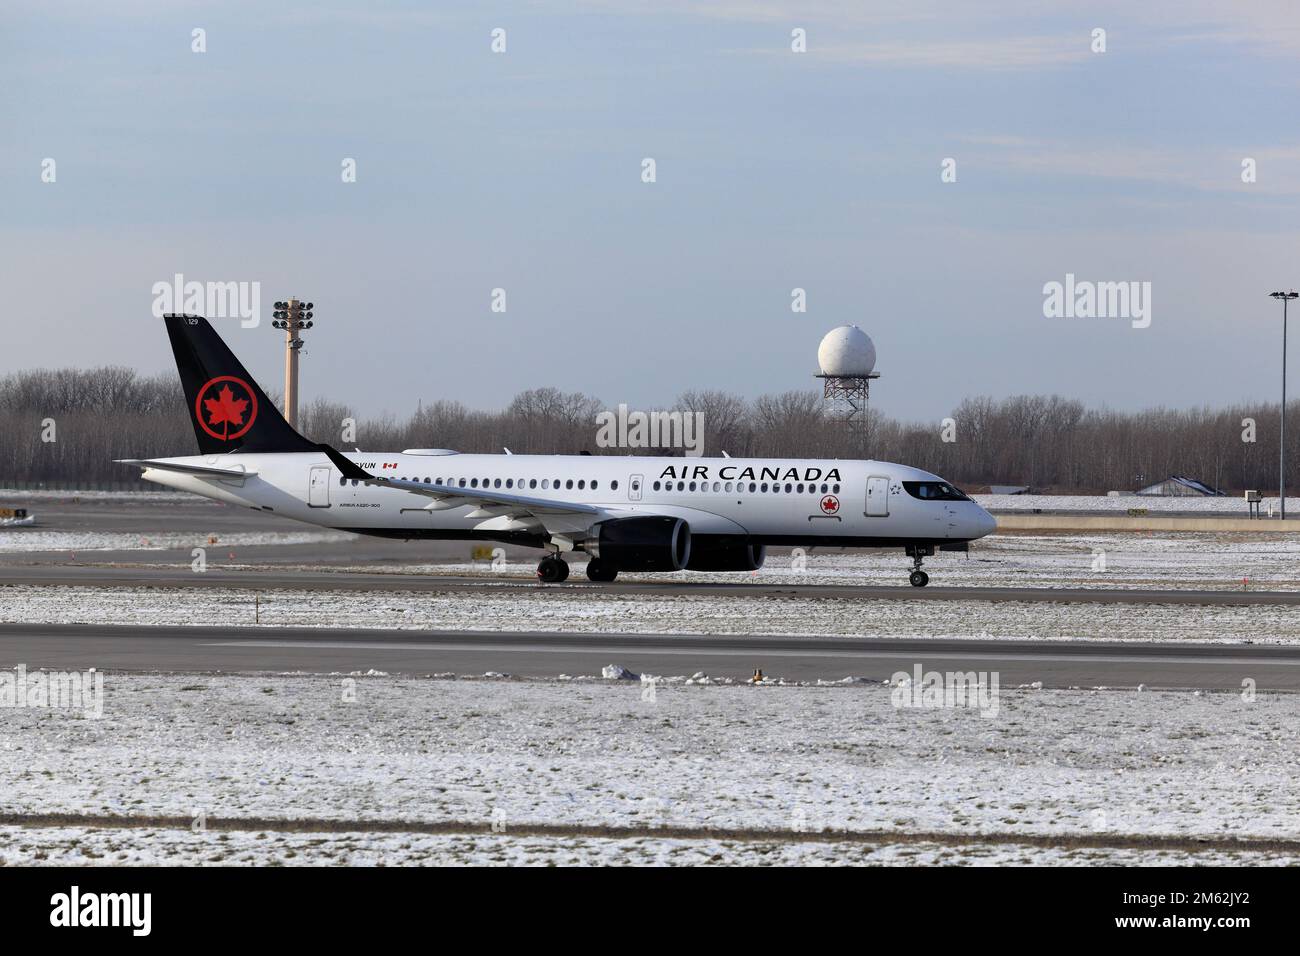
726,553
650,543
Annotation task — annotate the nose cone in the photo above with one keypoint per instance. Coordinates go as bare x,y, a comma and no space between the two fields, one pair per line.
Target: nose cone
984,522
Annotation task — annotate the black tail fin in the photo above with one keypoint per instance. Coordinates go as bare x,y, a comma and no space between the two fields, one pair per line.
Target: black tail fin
226,406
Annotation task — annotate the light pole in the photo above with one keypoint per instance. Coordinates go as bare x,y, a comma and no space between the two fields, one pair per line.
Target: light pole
1286,297
292,316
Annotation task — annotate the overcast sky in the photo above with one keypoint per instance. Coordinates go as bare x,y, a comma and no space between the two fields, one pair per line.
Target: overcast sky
775,170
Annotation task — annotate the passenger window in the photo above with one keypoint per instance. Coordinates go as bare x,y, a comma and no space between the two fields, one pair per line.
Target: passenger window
496,483
533,484
569,484
728,486
613,485
510,482
655,486
593,486
581,484
546,483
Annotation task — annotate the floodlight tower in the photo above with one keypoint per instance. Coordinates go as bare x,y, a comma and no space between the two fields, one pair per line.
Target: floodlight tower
1286,297
293,316
847,358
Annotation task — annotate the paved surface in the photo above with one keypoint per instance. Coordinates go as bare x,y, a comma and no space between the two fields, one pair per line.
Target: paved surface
316,566
314,579
535,654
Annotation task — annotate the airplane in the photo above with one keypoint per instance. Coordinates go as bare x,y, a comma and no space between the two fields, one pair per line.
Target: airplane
626,513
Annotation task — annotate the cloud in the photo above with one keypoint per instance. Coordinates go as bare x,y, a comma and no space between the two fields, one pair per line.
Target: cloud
1208,169
991,53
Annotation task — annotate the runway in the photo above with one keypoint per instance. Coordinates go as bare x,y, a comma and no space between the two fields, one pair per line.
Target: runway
534,654
316,579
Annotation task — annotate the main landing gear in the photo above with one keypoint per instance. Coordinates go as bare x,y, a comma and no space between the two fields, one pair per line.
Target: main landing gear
552,569
918,577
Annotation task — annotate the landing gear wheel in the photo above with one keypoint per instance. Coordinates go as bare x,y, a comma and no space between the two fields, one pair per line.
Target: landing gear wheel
552,570
598,572
918,553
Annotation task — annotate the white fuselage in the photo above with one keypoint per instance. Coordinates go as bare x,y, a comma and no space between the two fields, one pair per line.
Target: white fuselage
773,501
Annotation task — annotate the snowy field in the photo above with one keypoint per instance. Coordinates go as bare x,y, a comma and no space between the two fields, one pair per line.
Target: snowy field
1155,560
8,495
597,753
76,542
601,611
1158,560
69,846
1226,506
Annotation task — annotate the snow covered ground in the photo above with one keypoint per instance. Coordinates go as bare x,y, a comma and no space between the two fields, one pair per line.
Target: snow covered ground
75,846
136,497
1103,560
37,539
1155,560
596,610
593,753
1224,506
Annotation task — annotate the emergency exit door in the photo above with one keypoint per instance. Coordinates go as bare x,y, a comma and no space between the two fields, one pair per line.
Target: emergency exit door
318,489
877,498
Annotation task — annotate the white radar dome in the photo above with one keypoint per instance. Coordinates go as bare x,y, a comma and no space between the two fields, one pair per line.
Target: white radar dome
847,351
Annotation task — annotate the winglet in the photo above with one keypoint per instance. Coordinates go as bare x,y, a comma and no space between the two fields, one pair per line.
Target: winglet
346,467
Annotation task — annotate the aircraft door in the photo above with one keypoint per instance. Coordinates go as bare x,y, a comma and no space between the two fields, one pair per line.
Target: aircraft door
877,498
318,487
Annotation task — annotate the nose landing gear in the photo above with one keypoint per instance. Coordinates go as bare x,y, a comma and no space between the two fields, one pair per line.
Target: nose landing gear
916,552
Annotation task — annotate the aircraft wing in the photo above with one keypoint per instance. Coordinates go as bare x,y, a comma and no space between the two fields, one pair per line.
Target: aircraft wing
497,508
199,471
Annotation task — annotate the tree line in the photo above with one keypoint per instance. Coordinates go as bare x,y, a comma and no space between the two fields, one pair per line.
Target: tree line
70,424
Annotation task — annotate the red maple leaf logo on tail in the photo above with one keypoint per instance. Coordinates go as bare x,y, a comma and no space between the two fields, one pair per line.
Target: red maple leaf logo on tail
225,409
227,415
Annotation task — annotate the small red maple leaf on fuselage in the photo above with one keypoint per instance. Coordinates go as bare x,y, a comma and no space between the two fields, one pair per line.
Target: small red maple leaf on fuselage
225,409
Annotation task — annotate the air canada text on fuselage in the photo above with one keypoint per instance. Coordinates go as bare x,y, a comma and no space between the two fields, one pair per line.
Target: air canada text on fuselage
751,473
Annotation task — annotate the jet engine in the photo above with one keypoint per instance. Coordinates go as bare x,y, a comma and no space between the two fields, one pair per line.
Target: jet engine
650,543
726,553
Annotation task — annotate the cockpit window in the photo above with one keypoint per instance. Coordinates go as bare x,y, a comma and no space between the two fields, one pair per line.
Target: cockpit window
933,491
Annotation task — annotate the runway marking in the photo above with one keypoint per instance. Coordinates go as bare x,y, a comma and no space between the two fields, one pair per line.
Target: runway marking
714,651
1189,842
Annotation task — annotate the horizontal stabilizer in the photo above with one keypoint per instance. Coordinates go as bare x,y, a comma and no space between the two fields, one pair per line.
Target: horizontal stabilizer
199,471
